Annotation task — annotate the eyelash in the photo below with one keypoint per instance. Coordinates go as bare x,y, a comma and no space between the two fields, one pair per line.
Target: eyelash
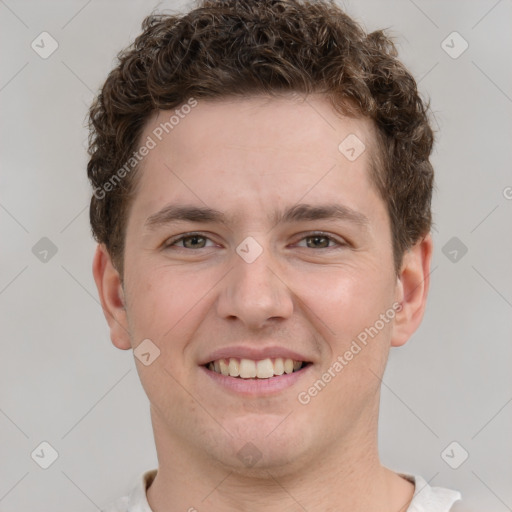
173,241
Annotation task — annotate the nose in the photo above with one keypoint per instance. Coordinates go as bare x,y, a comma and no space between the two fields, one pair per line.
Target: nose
255,293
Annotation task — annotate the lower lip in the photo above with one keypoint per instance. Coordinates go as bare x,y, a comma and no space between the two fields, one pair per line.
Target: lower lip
257,387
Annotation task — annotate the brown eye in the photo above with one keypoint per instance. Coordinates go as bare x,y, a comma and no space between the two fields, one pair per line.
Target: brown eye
193,242
318,242
190,241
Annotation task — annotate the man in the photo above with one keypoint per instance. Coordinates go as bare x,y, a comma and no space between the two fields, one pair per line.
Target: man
261,201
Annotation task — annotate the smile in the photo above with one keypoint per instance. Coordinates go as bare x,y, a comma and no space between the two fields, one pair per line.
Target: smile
252,369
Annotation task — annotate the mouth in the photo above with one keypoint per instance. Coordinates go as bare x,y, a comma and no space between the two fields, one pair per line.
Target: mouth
255,369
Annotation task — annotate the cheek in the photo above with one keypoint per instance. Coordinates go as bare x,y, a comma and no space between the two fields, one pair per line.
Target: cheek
347,308
167,303
165,306
347,300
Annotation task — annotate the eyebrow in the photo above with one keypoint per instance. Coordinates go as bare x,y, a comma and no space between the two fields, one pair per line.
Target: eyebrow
297,213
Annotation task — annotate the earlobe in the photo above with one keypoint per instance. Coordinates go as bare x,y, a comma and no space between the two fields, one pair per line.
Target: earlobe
412,290
111,293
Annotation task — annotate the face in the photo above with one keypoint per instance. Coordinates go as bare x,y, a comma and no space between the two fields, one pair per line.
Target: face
256,246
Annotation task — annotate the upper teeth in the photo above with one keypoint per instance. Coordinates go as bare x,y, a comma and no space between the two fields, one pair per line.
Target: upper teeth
249,369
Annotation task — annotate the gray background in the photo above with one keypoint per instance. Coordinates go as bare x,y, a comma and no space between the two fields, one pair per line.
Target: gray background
61,380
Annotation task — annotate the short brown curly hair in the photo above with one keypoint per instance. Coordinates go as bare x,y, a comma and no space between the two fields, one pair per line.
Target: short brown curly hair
225,48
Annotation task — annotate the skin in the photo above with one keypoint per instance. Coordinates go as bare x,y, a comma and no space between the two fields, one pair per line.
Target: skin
249,158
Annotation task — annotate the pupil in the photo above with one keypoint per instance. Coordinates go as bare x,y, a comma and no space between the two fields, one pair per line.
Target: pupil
316,240
193,240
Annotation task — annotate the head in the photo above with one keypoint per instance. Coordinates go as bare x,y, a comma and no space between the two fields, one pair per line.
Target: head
296,147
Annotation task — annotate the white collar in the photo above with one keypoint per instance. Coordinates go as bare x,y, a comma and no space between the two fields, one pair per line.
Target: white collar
426,498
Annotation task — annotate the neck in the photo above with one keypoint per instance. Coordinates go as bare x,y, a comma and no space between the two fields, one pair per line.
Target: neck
348,478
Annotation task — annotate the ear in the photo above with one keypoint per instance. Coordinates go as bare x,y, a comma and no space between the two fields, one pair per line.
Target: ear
110,291
412,290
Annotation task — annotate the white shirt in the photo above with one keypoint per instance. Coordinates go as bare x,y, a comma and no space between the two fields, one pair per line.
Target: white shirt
426,498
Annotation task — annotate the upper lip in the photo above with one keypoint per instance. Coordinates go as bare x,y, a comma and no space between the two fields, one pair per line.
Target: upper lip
254,353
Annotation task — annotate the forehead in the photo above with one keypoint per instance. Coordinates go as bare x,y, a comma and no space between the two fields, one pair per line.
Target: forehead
282,124
258,149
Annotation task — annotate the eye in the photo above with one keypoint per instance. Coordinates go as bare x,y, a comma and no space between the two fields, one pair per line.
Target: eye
189,241
320,241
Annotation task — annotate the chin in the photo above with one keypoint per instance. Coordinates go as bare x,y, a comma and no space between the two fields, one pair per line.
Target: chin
262,443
